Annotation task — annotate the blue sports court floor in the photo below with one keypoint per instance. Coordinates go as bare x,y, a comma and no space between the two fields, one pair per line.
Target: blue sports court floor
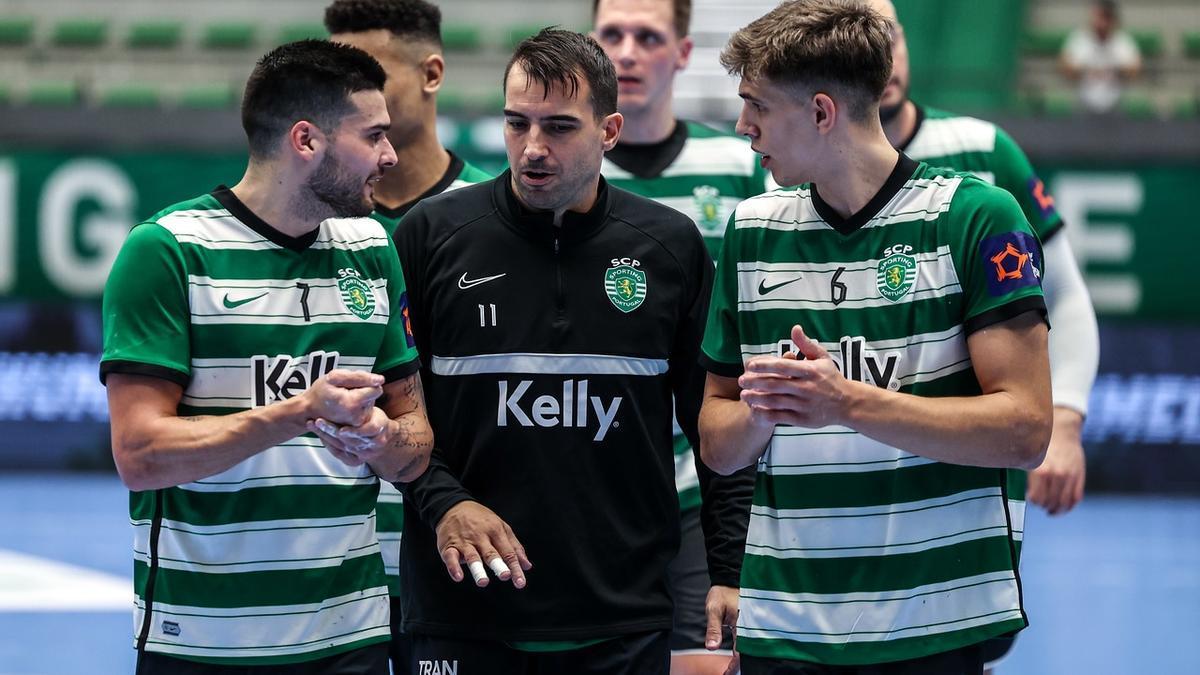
1112,588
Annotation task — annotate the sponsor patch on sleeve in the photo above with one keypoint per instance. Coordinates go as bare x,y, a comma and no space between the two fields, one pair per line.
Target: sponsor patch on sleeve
408,333
1041,198
1010,262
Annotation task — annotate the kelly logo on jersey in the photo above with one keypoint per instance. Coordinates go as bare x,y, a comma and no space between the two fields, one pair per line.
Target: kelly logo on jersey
282,377
1010,262
571,410
858,363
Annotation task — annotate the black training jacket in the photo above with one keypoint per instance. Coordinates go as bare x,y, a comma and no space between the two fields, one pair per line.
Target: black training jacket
551,356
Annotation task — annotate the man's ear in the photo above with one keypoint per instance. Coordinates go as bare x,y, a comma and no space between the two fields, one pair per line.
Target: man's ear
433,73
612,126
306,140
685,53
825,112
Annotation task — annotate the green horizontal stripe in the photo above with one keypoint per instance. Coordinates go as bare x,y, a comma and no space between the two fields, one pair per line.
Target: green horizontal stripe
255,615
865,653
355,338
258,504
876,574
885,322
281,263
389,517
307,527
261,589
286,659
828,245
871,488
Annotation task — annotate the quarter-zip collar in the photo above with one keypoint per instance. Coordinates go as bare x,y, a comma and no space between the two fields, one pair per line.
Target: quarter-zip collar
540,224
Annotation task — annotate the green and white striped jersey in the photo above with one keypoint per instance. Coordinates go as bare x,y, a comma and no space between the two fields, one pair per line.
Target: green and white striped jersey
858,552
977,146
390,524
274,560
711,174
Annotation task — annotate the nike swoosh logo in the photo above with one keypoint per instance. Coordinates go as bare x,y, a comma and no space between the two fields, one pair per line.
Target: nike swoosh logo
465,283
763,288
231,304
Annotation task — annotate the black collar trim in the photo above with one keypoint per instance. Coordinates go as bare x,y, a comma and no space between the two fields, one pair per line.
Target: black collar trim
243,213
649,160
904,169
540,224
916,128
452,172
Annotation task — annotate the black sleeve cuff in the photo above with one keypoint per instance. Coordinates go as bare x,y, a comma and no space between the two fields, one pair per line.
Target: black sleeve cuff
719,368
401,371
1035,303
434,492
147,369
1053,232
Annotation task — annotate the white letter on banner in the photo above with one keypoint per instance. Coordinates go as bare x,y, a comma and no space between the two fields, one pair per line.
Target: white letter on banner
100,233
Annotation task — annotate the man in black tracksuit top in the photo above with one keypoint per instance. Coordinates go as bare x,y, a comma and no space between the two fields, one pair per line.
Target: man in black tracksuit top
557,337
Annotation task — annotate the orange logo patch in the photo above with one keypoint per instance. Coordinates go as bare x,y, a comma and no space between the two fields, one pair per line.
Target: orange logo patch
1002,271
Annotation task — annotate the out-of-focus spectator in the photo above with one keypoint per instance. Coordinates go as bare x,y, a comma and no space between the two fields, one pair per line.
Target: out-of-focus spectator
1101,58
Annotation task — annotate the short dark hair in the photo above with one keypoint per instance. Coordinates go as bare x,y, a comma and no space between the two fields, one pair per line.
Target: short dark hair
413,19
556,57
681,15
824,44
1108,8
307,80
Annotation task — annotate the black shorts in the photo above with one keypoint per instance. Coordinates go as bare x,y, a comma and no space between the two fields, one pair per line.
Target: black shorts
638,654
400,648
371,660
965,661
688,582
996,649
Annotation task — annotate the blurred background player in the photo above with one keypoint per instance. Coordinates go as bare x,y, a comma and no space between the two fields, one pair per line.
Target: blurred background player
405,37
703,173
1101,58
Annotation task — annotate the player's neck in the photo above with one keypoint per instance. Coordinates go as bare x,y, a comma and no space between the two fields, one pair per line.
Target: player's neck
288,209
420,164
652,124
900,129
865,165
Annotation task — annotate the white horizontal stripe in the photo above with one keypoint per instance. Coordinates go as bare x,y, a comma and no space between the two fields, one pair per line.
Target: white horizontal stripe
547,364
219,230
795,451
921,199
232,386
1016,511
716,156
388,494
868,617
269,631
876,530
260,546
806,286
300,461
942,137
278,302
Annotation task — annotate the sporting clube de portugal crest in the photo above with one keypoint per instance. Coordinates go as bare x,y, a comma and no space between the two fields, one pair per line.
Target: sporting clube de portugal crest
625,284
896,272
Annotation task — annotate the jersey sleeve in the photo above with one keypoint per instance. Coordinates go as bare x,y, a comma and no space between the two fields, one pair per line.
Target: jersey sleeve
721,349
998,258
397,357
145,309
1015,173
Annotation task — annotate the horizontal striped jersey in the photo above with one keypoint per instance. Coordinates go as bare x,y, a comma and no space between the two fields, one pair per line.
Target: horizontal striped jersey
274,560
390,523
709,174
977,146
858,552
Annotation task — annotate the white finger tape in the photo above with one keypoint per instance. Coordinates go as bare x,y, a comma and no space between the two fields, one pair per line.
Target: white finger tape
498,567
477,571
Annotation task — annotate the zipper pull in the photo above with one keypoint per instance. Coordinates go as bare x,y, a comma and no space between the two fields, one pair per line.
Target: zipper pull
556,244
